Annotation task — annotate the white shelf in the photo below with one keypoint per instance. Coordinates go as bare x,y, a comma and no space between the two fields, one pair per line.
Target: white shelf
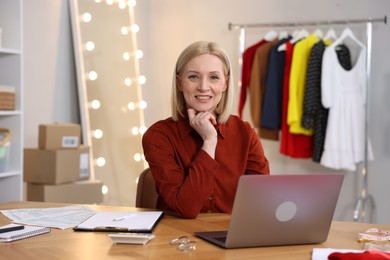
4,51
11,74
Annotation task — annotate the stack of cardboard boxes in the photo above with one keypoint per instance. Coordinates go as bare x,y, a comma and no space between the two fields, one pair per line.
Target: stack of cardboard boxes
59,169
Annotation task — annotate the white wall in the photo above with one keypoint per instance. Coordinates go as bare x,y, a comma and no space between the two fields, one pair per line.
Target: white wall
170,25
50,91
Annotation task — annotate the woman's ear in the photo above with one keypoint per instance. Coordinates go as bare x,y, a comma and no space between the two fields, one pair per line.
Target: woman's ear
226,84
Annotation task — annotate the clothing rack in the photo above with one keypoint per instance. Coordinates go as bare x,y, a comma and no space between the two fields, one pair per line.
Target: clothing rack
360,209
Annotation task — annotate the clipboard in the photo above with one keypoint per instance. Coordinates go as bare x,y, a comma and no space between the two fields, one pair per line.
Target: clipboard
121,221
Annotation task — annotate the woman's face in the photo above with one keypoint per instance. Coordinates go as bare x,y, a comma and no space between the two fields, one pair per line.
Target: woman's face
202,82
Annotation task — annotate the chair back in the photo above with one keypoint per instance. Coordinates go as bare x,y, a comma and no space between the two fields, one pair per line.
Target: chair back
146,196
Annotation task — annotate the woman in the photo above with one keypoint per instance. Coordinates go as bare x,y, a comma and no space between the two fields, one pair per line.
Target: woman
197,156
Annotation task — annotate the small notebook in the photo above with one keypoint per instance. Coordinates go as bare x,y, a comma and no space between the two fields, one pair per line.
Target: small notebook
28,231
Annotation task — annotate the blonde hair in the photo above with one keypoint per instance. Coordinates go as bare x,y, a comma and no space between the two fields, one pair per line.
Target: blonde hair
195,49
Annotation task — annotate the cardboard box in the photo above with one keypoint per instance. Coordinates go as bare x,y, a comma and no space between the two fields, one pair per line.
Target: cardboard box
59,136
56,166
83,192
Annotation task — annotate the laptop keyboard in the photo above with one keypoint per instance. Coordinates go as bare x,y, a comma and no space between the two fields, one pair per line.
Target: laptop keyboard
221,239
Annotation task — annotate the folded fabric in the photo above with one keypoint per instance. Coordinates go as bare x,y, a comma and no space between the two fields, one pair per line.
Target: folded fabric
323,253
366,255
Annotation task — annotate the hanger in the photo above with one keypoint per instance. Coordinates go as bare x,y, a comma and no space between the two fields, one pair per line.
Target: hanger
347,33
283,35
270,36
330,35
301,34
318,33
298,36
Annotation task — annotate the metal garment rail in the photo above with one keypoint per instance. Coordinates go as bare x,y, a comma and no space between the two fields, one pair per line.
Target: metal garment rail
360,210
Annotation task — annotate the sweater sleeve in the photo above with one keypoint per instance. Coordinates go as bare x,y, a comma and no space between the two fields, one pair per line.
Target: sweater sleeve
185,193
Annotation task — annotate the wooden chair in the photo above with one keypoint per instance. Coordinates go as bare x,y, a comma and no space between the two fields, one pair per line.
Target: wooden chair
146,196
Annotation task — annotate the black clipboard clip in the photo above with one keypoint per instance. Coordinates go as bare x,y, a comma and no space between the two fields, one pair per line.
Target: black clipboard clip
111,229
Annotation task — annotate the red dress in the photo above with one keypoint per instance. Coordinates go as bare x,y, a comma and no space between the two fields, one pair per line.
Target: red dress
293,145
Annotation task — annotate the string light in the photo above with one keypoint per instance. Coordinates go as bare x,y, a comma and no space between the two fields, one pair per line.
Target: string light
138,130
100,161
92,75
137,157
141,80
135,130
104,189
132,3
122,4
141,105
139,54
128,80
98,133
95,104
134,28
86,17
142,129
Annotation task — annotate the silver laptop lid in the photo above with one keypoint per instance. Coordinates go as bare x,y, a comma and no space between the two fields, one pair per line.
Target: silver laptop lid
283,209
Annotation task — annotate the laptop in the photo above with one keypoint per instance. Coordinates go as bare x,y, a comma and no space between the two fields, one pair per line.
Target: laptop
274,210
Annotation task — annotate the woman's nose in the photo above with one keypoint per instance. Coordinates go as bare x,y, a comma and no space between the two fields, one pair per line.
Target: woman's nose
203,85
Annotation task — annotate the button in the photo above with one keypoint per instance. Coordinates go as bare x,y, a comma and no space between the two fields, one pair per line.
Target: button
210,198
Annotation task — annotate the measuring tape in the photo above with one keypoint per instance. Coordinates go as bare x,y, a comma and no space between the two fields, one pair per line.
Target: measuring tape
374,234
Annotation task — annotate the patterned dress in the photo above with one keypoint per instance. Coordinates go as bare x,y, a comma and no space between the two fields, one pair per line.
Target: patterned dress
314,114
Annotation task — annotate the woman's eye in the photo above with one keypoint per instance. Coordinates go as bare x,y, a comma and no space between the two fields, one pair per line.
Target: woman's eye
214,77
193,77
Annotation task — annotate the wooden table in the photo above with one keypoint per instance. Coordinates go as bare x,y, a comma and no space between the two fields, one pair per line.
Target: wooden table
68,244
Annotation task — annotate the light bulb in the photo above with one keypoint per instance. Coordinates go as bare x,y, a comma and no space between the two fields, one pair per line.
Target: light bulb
141,80
124,30
122,4
134,130
131,106
87,17
104,189
128,82
135,28
132,3
137,157
98,133
142,104
109,2
92,75
126,56
142,129
100,161
90,46
95,104
139,54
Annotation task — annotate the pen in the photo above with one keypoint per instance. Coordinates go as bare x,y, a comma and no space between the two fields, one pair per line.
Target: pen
122,218
8,229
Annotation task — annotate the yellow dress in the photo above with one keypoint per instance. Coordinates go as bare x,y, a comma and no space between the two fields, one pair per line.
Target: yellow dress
297,83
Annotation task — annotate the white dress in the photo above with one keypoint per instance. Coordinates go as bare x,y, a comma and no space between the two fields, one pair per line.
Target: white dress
344,93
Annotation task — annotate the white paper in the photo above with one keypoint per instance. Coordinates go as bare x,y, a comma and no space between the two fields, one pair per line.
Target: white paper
61,217
132,221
